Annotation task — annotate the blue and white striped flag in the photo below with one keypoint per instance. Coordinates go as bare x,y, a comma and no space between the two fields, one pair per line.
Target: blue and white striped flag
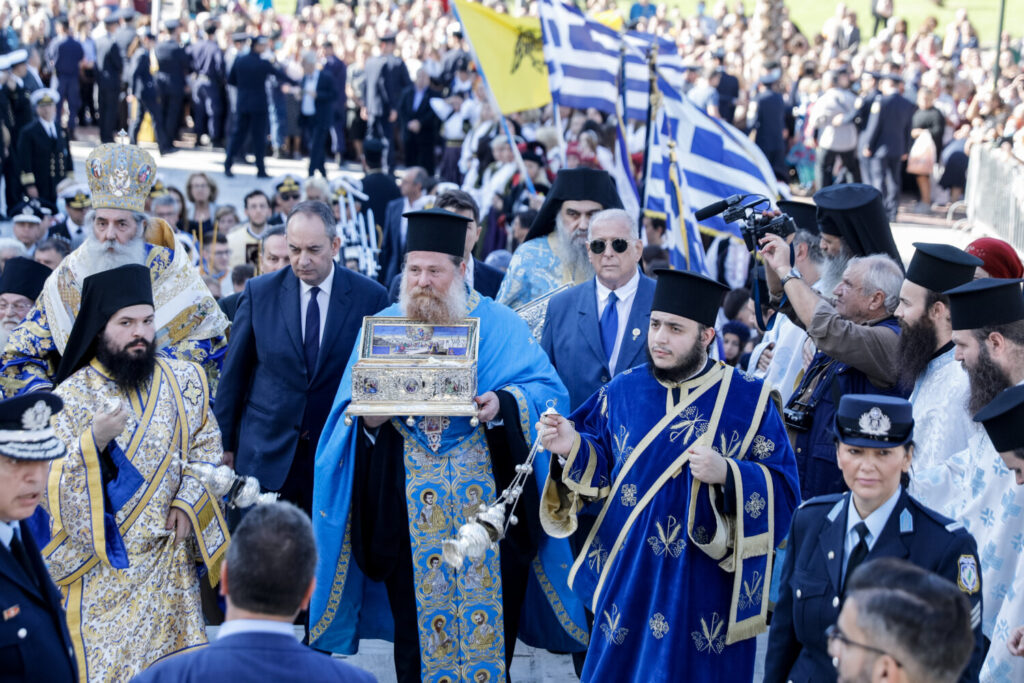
583,58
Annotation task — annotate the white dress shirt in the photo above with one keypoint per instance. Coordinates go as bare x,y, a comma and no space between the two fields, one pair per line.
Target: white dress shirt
236,626
875,522
7,533
51,129
625,294
309,93
322,298
469,272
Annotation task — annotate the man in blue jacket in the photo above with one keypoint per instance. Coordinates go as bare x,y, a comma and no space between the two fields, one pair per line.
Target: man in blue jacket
266,579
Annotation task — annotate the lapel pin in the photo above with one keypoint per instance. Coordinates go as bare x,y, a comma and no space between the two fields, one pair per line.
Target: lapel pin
12,612
636,333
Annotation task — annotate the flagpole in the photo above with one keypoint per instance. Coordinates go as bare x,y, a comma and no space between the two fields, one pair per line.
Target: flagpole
494,103
652,92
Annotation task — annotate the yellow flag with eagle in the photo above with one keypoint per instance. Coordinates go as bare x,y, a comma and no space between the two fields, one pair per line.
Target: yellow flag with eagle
511,53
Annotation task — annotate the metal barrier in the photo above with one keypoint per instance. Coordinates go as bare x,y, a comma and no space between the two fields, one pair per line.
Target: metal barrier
995,194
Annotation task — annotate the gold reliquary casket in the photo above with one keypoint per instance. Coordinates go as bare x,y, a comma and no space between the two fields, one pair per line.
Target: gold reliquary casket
412,368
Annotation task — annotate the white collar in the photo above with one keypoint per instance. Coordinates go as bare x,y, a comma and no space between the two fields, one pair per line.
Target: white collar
7,532
622,293
324,286
877,519
236,626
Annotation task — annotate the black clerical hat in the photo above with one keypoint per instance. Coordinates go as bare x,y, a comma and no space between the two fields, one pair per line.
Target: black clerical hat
804,214
939,267
1003,418
436,230
985,303
103,295
856,213
25,429
23,276
692,296
874,421
574,184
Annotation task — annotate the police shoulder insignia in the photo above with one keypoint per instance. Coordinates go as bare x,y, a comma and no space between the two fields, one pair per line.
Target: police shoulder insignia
954,526
967,578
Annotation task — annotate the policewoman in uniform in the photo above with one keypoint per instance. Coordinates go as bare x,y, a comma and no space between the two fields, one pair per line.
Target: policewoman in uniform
34,640
831,535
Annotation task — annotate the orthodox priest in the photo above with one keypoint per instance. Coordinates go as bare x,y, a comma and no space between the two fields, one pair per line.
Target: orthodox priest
386,495
127,525
696,482
925,353
555,250
189,324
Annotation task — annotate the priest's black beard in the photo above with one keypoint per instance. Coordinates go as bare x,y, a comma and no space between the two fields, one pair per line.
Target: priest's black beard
987,381
690,364
917,344
130,372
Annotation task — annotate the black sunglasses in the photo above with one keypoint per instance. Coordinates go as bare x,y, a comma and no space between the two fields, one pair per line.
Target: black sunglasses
618,244
290,196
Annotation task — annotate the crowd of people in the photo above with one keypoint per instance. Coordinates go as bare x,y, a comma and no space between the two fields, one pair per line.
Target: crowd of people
819,441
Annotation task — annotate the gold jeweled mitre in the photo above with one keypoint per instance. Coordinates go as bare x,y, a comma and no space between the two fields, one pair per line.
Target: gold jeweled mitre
120,176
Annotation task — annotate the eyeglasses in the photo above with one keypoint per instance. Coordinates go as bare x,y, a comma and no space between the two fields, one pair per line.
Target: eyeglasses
833,632
290,196
618,244
21,308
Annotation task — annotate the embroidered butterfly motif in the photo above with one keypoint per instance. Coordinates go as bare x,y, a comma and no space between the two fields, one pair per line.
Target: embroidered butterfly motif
710,639
667,543
612,631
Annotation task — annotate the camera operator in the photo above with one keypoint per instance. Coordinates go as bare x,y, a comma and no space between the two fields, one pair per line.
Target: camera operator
857,340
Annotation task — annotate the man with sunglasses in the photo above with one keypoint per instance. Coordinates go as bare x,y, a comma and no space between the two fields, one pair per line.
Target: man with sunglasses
599,328
287,193
555,250
901,623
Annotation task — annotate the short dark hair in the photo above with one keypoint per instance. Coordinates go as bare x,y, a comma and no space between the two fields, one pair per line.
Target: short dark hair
272,231
372,156
1014,332
922,619
457,200
734,301
255,193
57,244
241,273
271,560
209,239
318,209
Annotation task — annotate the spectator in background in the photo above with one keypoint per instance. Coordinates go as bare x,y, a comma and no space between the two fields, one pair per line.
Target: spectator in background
999,259
641,9
927,120
225,219
239,276
216,260
735,336
51,252
202,196
10,247
28,230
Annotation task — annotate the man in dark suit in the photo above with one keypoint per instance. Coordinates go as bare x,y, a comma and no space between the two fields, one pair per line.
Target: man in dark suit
419,122
392,245
379,186
266,580
770,121
316,105
291,338
142,92
109,68
34,641
44,157
338,72
249,75
483,278
728,89
386,79
208,86
66,55
173,64
588,339
887,138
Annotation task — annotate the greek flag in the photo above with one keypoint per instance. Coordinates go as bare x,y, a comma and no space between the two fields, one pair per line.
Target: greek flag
583,58
716,161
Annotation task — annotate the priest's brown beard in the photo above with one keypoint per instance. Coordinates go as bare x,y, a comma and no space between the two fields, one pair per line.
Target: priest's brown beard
130,370
687,367
987,380
424,303
917,344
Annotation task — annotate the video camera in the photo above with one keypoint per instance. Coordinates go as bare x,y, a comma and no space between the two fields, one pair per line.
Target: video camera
755,224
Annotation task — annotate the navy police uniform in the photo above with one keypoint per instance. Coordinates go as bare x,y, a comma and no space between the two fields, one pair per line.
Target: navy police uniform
173,64
249,75
769,124
66,55
109,69
34,641
386,78
208,89
142,86
811,586
887,137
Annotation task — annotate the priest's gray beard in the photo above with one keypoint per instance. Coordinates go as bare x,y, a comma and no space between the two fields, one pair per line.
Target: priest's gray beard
987,380
439,308
832,270
100,256
573,248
